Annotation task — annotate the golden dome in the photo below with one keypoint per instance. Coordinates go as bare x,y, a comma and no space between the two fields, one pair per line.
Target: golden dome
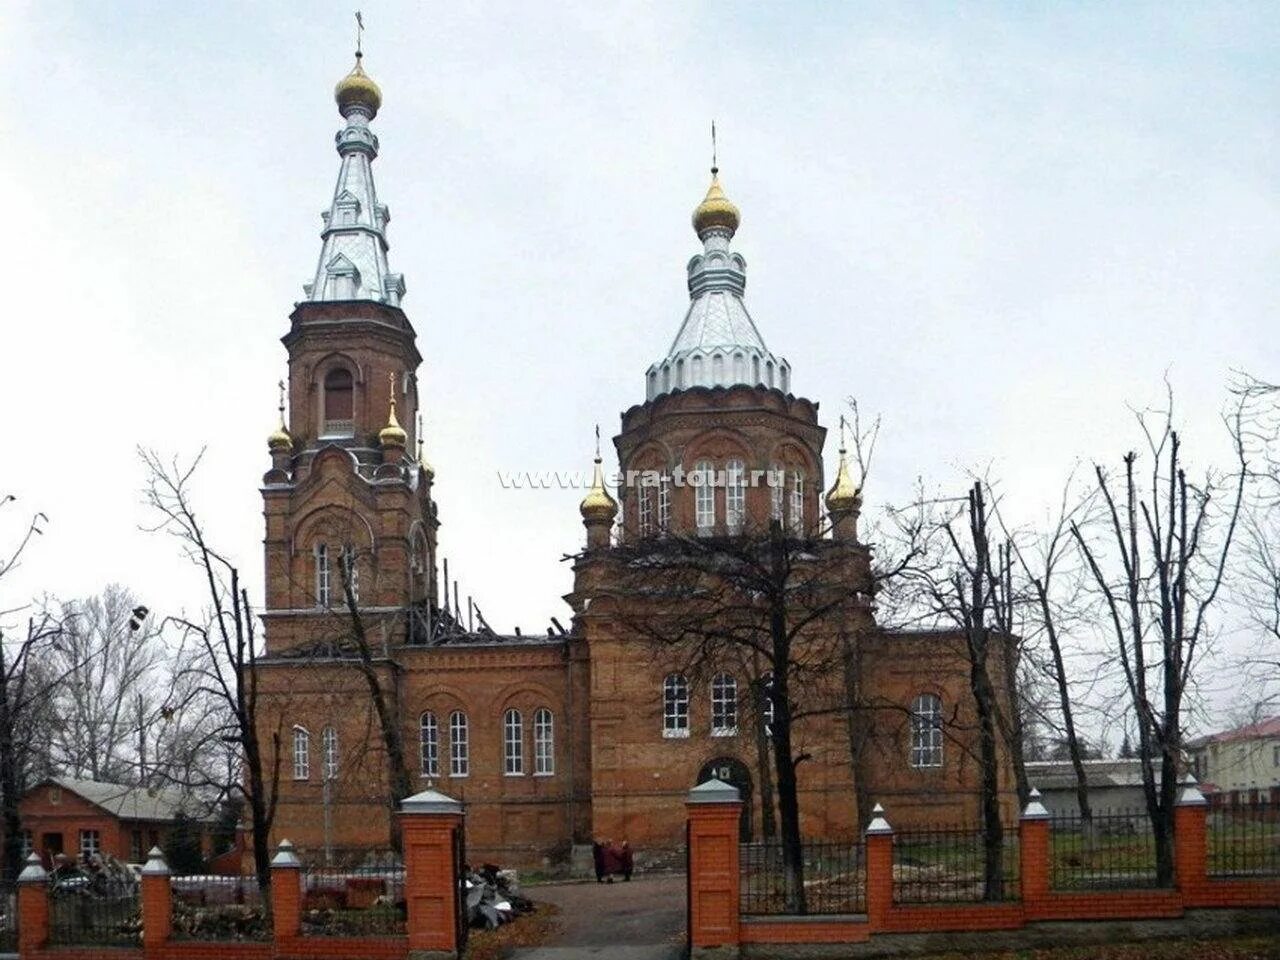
393,435
715,210
597,504
280,440
843,495
357,89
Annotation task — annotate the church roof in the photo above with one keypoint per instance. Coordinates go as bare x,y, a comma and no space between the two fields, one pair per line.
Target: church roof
131,802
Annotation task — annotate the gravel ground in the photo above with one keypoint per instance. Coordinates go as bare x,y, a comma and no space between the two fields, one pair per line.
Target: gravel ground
639,920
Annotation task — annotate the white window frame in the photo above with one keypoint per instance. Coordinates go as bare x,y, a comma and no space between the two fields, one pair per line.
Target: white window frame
429,744
704,497
329,752
777,491
301,754
644,515
322,575
512,743
544,743
90,844
797,503
459,745
724,705
352,567
675,706
767,708
664,504
735,495
926,731
28,843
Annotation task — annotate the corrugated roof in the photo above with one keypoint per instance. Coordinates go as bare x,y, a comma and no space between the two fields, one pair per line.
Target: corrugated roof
137,803
1057,774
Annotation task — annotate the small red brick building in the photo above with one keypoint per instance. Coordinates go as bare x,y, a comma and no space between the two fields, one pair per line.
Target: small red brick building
81,818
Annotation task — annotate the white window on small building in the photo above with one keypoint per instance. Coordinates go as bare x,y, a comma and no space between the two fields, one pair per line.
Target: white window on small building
322,574
735,495
429,744
724,705
301,754
90,844
926,731
459,750
644,516
675,706
664,504
704,494
329,744
797,504
512,743
544,743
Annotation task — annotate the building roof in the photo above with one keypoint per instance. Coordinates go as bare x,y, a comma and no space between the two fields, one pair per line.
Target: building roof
136,803
1060,774
1252,731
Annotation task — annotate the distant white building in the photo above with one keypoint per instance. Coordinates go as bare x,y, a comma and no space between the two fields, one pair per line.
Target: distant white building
1239,767
1115,786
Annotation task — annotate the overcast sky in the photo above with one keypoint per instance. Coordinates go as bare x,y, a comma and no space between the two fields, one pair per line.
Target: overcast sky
997,227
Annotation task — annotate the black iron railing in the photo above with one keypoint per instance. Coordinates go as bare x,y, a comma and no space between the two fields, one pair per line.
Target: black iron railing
94,909
1112,850
947,865
353,901
834,879
1244,842
220,908
8,916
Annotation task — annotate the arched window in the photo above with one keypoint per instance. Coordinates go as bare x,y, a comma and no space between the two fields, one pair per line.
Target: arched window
664,504
735,495
459,751
768,373
512,743
755,369
429,744
301,754
322,574
739,368
675,706
666,378
339,403
697,372
717,370
724,705
767,708
797,503
544,743
704,494
777,491
680,374
786,378
351,573
653,383
329,743
926,731
645,514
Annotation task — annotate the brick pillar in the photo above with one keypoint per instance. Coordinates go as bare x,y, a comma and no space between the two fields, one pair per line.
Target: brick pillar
1034,854
33,907
713,813
1190,840
879,847
286,893
157,902
428,823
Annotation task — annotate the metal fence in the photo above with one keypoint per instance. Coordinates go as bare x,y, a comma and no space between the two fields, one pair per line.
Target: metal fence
1243,842
220,908
353,901
834,878
8,916
949,866
94,909
1110,851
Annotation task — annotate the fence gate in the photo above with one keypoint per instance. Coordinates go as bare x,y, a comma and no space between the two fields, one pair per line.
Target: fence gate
462,928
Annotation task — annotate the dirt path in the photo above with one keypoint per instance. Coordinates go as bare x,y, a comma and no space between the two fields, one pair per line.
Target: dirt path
640,920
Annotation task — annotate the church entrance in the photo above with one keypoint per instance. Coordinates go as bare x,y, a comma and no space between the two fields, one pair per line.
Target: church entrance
734,772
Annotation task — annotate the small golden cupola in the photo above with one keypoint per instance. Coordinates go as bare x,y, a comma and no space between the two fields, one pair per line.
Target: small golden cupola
598,508
358,91
392,435
843,494
716,211
280,441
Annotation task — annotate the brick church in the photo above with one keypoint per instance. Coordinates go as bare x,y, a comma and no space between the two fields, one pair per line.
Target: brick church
597,730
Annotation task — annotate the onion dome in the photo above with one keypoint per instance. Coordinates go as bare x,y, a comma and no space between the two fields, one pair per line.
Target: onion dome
844,494
280,441
422,460
393,435
716,211
357,89
597,505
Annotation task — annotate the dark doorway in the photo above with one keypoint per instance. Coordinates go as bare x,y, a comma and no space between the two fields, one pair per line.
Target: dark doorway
734,772
52,844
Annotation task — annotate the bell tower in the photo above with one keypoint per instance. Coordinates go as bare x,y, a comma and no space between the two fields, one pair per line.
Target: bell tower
348,495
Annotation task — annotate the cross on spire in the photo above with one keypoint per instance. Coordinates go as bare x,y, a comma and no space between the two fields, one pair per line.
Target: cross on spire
597,443
281,386
715,167
359,35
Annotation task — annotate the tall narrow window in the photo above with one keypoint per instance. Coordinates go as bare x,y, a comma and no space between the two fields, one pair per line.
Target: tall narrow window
544,743
704,493
735,496
339,403
675,706
90,844
512,743
724,705
329,742
777,491
664,504
926,731
797,504
351,574
322,575
645,514
301,754
459,750
429,744
767,709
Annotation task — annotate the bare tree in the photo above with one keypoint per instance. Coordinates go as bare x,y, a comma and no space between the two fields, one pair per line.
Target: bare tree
1158,571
